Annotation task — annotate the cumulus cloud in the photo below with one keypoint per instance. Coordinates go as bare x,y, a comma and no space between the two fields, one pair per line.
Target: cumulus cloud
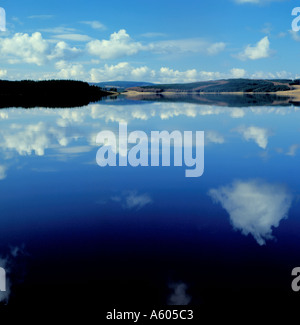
259,51
121,71
70,70
179,295
25,48
166,74
63,51
34,49
119,44
238,73
125,71
255,207
259,135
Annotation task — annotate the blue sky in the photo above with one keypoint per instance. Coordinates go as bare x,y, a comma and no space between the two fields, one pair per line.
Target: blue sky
157,41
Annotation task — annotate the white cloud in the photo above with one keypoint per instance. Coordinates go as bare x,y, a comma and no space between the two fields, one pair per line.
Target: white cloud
259,51
255,207
70,70
259,135
216,48
238,73
120,44
95,24
34,49
276,75
63,51
3,73
192,45
119,71
165,75
210,75
25,48
179,296
125,71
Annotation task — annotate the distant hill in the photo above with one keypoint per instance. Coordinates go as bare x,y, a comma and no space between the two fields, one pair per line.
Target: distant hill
48,93
222,86
216,99
121,85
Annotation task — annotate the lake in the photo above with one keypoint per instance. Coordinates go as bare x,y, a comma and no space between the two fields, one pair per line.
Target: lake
71,230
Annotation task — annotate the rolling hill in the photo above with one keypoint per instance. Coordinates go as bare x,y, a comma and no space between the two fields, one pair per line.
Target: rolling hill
121,85
222,86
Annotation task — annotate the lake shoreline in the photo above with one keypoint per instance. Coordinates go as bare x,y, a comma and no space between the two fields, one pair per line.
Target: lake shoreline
293,93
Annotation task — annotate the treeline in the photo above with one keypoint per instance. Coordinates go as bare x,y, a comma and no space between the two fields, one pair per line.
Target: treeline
48,93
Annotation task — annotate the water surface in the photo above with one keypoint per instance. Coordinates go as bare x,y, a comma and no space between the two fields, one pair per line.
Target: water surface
71,230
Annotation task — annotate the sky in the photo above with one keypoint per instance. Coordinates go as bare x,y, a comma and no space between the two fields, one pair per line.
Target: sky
160,41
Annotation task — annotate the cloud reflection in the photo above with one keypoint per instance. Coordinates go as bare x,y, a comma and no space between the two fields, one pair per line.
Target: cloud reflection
132,200
179,297
255,207
257,134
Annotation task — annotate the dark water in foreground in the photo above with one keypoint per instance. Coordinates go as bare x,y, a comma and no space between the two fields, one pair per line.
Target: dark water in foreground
71,231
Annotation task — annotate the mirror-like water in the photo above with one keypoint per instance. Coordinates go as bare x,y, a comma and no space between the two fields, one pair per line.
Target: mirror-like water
72,226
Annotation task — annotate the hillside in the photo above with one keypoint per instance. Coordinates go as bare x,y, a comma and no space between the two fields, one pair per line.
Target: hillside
222,86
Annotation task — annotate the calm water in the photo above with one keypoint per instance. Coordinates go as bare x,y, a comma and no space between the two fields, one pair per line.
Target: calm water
71,230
